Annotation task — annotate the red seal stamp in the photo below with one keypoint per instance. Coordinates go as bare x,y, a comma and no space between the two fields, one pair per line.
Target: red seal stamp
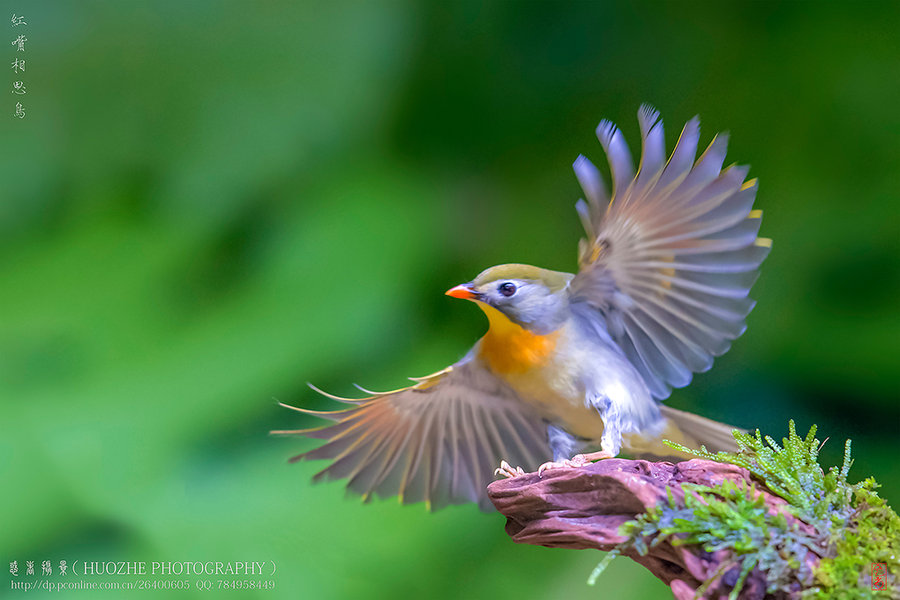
879,577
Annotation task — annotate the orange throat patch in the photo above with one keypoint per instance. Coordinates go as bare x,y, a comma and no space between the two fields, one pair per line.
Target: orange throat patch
507,348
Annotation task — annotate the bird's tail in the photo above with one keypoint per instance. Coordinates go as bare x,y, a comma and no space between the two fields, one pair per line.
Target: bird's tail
687,429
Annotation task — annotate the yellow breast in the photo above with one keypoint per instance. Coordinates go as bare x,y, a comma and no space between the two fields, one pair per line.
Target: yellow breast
509,349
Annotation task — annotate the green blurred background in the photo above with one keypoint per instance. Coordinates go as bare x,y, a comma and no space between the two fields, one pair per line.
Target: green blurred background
209,204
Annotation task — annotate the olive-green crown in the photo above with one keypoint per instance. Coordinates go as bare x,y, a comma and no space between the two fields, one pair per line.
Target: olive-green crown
554,280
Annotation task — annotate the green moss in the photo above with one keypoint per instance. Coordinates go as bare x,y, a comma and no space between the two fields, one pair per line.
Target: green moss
872,537
851,526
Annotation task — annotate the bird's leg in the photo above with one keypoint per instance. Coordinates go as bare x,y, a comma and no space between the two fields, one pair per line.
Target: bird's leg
507,471
564,445
589,457
579,460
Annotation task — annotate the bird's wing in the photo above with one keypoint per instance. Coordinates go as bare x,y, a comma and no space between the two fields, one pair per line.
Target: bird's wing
438,440
670,257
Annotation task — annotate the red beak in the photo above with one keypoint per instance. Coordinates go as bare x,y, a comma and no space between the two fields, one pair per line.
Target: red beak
463,291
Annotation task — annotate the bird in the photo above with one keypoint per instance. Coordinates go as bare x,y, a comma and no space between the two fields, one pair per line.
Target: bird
574,361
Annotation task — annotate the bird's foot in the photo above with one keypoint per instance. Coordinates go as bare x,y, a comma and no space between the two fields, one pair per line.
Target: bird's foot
579,460
507,471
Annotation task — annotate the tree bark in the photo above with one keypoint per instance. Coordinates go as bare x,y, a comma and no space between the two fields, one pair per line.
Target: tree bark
583,507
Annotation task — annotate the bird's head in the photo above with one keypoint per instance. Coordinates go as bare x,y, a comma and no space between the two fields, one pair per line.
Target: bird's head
530,297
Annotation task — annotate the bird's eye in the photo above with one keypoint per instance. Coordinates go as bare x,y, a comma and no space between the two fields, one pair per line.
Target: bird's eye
507,289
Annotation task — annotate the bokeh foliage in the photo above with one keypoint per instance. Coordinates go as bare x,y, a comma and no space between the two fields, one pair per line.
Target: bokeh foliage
211,203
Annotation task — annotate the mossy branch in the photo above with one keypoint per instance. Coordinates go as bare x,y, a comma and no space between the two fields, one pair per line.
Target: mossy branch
765,522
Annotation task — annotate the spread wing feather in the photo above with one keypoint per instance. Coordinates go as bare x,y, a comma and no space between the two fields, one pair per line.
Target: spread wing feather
670,258
438,440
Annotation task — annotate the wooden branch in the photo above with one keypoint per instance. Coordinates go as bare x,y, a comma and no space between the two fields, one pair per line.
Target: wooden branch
583,508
